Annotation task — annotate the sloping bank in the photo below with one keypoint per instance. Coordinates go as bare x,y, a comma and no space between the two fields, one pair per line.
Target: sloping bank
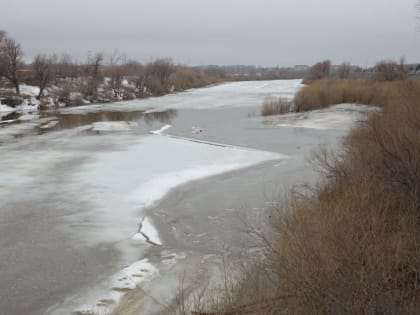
352,246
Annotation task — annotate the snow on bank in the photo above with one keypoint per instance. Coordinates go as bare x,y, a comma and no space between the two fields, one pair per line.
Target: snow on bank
29,90
161,130
127,279
339,117
30,103
6,109
25,107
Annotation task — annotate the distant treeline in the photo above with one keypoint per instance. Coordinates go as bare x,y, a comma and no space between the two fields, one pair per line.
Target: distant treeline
63,80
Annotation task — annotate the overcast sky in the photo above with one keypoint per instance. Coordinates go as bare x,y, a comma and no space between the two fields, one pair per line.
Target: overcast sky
259,32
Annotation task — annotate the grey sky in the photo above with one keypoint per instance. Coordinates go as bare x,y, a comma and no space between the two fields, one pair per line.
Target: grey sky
260,32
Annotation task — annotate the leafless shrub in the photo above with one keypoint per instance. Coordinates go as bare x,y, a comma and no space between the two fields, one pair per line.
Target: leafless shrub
353,246
318,71
2,35
42,72
115,71
389,70
93,74
64,67
327,92
11,55
276,106
344,70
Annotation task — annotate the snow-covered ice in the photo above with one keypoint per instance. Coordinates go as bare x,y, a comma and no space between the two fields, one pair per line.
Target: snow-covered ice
6,108
127,279
161,130
113,125
122,183
26,117
148,233
226,95
340,117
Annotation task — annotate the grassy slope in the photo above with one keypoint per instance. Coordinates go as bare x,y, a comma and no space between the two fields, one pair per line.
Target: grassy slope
353,245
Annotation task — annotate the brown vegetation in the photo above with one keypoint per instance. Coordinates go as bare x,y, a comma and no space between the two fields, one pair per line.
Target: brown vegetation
11,56
42,71
389,70
276,106
351,245
327,92
318,71
63,80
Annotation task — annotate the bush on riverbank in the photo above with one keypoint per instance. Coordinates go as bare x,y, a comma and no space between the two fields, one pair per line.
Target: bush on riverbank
327,92
352,246
276,106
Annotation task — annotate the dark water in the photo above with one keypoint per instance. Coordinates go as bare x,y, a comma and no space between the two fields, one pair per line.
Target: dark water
18,125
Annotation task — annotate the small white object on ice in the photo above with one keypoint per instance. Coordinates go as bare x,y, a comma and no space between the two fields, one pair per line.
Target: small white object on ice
161,130
196,130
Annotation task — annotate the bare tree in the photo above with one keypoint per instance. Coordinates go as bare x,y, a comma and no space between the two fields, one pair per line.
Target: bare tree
389,70
156,75
93,72
42,68
116,72
318,71
11,55
344,70
65,67
95,63
2,35
162,68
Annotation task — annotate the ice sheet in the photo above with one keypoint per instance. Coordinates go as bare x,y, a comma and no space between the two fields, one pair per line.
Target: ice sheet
226,95
148,233
113,125
127,279
121,184
338,117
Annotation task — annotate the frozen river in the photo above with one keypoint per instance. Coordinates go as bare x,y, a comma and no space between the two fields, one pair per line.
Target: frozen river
94,206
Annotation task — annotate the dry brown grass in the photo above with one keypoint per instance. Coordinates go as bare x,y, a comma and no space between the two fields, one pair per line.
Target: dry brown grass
275,106
353,245
327,92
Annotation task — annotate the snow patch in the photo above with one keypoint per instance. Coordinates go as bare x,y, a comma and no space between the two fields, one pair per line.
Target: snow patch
5,108
147,232
161,130
50,124
196,130
29,90
226,95
114,125
128,279
338,117
26,117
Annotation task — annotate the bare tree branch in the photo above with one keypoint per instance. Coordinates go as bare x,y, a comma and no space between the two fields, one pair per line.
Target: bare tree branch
11,55
42,67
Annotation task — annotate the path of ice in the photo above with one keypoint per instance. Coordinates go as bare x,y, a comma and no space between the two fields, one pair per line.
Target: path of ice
123,183
226,95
